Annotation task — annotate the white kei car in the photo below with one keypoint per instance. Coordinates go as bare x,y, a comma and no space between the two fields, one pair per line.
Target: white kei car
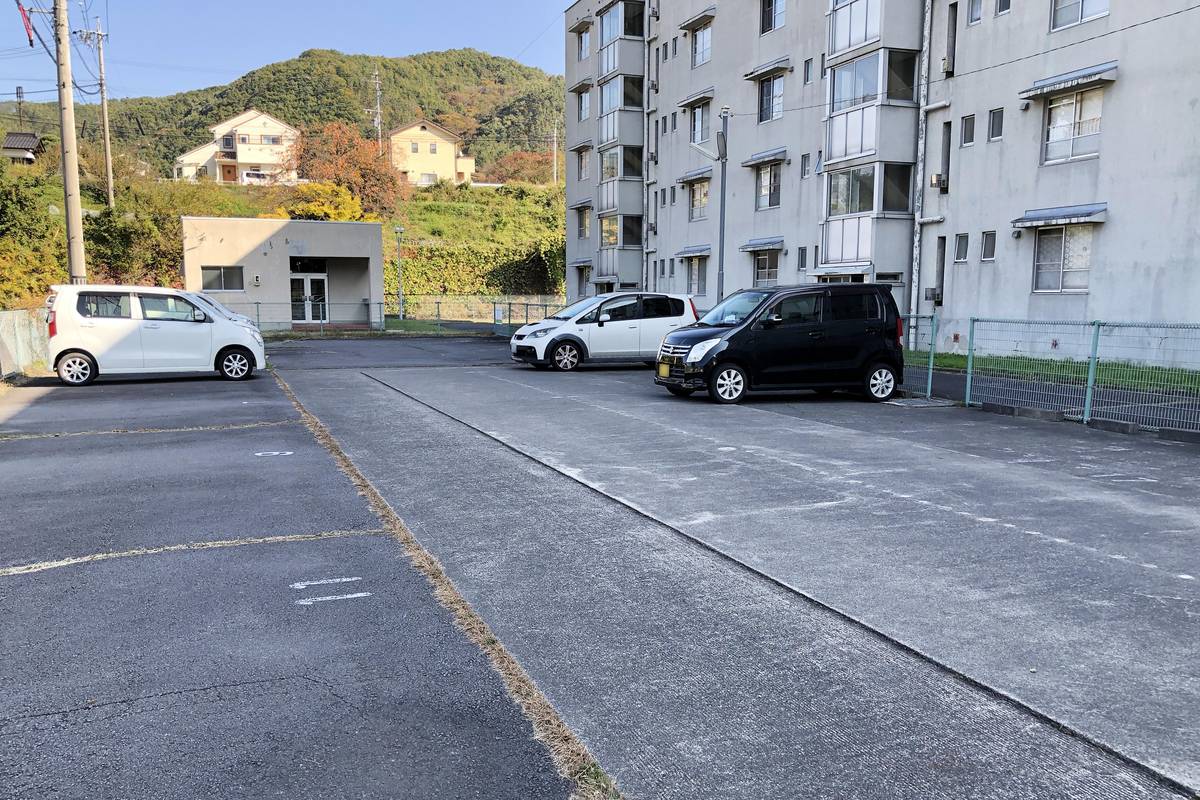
620,326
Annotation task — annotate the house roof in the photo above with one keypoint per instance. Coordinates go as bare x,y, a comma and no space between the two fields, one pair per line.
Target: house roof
401,128
22,141
249,114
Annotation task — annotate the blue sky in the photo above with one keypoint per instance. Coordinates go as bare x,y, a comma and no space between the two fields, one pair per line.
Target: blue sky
166,46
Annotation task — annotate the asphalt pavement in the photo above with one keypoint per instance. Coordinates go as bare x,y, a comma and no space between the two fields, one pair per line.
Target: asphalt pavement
195,602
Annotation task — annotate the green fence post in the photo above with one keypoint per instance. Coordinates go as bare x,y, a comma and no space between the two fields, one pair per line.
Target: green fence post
438,312
932,346
1093,360
970,362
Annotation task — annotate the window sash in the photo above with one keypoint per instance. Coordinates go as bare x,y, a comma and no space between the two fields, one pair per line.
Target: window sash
1073,125
987,248
770,98
698,202
702,45
700,122
772,15
769,179
766,268
1062,259
855,84
852,192
962,248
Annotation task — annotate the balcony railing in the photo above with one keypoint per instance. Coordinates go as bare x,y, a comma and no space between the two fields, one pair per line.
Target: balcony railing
853,23
847,239
852,133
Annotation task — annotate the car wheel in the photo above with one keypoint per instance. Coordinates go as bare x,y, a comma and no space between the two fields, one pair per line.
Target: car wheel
566,356
76,369
728,384
880,383
235,364
679,391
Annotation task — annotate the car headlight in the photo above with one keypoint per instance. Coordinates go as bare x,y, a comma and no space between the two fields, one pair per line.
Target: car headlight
539,334
700,350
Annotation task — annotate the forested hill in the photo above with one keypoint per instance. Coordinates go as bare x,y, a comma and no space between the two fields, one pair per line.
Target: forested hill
498,104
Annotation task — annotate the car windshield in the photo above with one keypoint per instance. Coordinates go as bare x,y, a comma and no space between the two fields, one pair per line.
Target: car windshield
576,308
733,309
211,304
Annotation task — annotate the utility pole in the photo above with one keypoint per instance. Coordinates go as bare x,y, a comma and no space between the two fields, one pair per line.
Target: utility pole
20,107
70,151
378,109
554,153
97,38
723,156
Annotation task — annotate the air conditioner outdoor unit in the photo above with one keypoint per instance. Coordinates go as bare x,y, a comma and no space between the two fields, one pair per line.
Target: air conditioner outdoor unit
947,64
654,86
652,227
933,295
939,181
654,158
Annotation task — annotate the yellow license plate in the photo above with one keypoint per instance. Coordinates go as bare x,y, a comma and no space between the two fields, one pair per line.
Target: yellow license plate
664,370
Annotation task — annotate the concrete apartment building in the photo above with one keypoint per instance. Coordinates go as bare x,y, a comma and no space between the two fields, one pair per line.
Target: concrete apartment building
424,153
252,147
986,139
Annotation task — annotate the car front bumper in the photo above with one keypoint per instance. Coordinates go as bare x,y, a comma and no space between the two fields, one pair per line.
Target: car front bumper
672,371
528,351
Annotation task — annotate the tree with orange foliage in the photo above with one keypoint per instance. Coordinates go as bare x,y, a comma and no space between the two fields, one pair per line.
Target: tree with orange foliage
523,166
339,154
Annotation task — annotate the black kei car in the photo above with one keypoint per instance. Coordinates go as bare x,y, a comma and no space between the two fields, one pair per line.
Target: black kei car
818,336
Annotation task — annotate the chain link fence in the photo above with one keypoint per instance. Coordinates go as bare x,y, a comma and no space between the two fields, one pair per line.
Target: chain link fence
1144,374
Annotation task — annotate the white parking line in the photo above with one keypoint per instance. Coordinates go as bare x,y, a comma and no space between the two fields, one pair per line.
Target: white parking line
308,601
323,581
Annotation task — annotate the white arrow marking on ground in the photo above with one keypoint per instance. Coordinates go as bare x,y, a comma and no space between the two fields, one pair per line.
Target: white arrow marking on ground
306,584
308,601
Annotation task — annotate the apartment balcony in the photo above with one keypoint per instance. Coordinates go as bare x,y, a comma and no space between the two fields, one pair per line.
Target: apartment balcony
884,132
625,55
866,239
860,24
618,265
624,126
622,194
226,155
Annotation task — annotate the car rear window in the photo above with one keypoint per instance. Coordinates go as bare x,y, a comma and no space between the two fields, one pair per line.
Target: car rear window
860,305
104,305
659,306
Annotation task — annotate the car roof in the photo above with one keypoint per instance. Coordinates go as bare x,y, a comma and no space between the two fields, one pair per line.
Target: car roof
832,287
113,287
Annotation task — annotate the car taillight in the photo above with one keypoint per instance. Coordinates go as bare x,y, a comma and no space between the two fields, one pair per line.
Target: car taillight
52,325
899,330
695,313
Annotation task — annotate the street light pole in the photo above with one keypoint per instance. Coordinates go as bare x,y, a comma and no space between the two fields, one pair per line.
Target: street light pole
723,156
399,273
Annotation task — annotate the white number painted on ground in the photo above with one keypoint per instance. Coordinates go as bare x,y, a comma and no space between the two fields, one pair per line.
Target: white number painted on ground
308,601
275,453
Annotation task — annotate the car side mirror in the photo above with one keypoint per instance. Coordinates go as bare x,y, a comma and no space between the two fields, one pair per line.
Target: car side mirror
199,316
771,320
603,319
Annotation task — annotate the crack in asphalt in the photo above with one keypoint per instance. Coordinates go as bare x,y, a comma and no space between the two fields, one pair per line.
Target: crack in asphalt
234,426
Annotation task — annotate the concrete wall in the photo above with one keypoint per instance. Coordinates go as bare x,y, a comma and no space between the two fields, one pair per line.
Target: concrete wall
264,248
446,163
1144,255
24,341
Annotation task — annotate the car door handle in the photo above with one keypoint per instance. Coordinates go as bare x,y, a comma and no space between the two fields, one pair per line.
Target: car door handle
151,325
87,324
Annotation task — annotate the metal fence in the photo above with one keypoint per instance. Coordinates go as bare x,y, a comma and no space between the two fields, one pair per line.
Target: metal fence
24,341
920,350
1147,374
312,315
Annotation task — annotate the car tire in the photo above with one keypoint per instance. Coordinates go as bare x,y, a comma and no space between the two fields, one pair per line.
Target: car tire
679,391
565,356
76,369
879,383
727,384
235,364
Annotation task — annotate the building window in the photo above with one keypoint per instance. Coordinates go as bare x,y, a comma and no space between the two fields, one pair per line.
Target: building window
227,142
674,121
901,75
701,116
662,268
897,188
634,19
974,11
802,259
967,131
995,124
662,198
583,220
770,98
808,69
768,186
1003,7
610,25
701,45
674,46
583,41
987,250
243,139
962,245
766,268
1073,12
806,165
631,162
1073,125
272,140
610,231
428,178
664,52
631,231
1063,259
610,164
610,96
413,147
698,203
858,278
672,195
671,268
202,172
433,148
583,162
583,104
632,96
221,279
772,15
854,22
852,191
855,83
697,275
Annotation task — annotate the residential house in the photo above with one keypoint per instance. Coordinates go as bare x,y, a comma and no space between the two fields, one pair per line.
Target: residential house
424,153
252,147
22,148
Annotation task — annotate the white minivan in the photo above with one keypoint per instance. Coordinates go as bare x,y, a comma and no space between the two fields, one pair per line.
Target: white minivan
128,330
620,326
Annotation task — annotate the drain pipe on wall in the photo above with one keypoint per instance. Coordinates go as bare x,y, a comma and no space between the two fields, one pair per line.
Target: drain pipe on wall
919,195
